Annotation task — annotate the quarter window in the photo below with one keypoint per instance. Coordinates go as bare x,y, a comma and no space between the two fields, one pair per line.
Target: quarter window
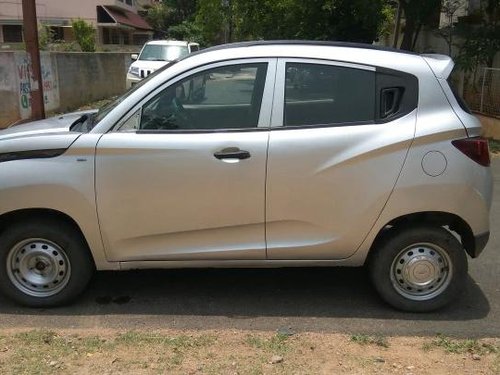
228,97
325,94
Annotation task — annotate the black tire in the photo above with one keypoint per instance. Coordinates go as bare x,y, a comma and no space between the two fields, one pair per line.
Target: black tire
412,252
70,246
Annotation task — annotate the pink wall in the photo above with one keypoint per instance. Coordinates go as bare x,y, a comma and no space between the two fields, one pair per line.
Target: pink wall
59,9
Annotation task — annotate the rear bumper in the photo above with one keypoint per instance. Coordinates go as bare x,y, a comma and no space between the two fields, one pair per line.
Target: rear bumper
480,242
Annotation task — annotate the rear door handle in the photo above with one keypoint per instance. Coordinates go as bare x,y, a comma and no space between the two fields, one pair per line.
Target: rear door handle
232,153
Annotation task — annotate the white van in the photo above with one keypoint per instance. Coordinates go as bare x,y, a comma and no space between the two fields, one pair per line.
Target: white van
156,54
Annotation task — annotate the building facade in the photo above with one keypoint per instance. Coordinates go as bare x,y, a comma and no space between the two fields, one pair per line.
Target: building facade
117,21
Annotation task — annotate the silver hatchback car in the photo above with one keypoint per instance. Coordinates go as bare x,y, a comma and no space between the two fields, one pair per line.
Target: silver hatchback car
259,154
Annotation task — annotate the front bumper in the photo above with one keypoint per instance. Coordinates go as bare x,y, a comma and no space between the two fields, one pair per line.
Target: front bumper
132,80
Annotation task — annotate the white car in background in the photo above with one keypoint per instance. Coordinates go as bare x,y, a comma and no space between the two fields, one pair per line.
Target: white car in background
156,54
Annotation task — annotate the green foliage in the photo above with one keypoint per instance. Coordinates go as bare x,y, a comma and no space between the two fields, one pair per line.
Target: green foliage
157,16
45,36
370,340
481,35
84,35
187,30
344,20
388,15
278,343
461,346
174,19
494,145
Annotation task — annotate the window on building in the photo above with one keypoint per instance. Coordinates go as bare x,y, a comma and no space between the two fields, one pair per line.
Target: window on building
110,36
12,33
325,94
56,33
126,37
140,39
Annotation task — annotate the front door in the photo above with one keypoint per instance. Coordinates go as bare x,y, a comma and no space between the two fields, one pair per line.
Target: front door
183,177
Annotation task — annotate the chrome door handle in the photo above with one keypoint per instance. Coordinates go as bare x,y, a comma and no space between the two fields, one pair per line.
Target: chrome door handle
232,153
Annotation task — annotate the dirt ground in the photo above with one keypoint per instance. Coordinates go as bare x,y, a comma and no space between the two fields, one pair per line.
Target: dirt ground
239,352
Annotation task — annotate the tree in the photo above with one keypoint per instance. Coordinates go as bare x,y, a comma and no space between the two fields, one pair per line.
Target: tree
345,20
173,19
449,8
481,34
418,13
84,35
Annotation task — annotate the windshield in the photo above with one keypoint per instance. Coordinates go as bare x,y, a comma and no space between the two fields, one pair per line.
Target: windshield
110,106
156,52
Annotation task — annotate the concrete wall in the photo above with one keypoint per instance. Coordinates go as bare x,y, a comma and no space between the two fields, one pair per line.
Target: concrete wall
87,77
491,126
70,80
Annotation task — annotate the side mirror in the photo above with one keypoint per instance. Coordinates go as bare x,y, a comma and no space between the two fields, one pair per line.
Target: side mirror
134,56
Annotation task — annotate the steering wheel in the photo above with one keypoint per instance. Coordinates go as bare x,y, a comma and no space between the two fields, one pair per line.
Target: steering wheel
180,114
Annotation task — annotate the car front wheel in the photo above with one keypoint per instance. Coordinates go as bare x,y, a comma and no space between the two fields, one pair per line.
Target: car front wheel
419,269
43,263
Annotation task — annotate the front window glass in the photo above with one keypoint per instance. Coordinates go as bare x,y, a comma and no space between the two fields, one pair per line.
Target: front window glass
156,52
221,98
326,94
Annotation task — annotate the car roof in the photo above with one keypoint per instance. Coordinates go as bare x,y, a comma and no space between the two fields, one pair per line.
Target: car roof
307,43
168,42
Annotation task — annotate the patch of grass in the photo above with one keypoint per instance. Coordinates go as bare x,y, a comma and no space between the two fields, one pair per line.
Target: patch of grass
494,145
370,340
132,338
460,346
34,350
277,344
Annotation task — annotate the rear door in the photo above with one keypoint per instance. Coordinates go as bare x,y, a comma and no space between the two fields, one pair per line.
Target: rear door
340,134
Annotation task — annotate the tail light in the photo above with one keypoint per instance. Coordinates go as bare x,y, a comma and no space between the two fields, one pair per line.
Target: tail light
475,148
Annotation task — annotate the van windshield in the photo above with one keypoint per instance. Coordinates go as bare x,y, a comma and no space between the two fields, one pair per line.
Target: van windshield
158,52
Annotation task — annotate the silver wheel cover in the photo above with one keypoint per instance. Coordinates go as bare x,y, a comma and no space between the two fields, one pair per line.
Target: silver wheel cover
421,271
38,267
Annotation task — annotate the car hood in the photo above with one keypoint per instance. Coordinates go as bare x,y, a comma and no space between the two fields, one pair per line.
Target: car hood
50,133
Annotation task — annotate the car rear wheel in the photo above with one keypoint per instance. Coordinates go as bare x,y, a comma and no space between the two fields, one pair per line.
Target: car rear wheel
419,269
43,263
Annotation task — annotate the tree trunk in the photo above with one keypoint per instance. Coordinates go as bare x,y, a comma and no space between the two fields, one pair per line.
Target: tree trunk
409,30
415,38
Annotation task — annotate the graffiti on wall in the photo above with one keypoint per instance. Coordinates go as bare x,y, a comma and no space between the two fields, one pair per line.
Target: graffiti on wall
27,83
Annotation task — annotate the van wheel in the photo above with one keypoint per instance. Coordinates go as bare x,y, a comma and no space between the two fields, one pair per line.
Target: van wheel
419,269
43,263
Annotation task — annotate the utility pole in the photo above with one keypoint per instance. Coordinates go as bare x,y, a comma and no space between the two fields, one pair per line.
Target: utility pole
396,28
31,41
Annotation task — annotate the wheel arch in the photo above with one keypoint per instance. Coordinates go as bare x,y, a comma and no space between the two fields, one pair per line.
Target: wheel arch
13,217
453,223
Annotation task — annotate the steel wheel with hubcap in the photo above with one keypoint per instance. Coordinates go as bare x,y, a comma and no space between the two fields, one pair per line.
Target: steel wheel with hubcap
419,269
38,267
44,262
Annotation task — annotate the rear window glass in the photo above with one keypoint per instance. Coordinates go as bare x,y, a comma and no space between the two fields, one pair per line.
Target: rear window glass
325,94
453,81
